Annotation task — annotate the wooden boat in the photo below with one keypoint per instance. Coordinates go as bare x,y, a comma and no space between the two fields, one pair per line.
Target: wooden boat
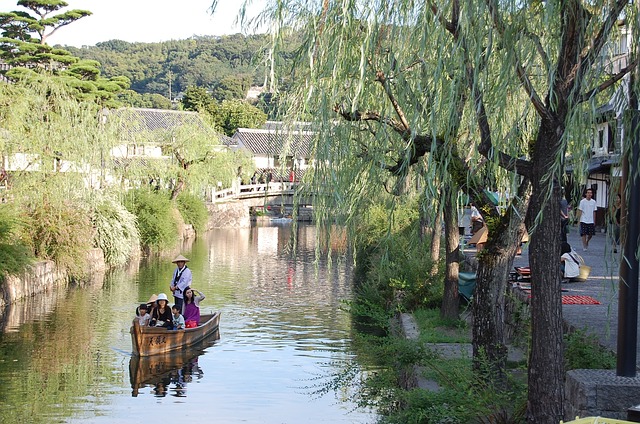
162,369
148,341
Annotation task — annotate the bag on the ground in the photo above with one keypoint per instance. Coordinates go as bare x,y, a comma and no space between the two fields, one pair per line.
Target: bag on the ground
585,270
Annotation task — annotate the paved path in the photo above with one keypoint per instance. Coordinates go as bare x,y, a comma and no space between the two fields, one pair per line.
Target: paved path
599,320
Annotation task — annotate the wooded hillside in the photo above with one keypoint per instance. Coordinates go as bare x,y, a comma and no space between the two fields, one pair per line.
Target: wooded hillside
226,66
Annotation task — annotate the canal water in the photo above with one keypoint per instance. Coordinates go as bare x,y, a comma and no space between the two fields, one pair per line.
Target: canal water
284,337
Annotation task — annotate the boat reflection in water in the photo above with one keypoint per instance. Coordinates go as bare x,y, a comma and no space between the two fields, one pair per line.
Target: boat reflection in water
169,372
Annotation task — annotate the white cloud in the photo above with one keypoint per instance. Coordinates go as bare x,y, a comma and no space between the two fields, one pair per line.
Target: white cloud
145,20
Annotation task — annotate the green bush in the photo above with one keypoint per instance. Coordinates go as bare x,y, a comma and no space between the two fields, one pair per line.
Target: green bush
156,218
193,211
392,254
116,231
15,256
582,351
58,228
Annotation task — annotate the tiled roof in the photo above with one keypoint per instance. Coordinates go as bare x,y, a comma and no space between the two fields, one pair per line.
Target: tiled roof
274,143
138,120
287,126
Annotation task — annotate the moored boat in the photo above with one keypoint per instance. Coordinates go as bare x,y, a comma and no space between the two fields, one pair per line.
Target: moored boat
148,341
281,220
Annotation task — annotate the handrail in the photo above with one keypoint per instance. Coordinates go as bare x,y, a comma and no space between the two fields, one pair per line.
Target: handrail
245,191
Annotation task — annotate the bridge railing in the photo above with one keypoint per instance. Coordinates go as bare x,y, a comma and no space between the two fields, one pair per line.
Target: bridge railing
252,190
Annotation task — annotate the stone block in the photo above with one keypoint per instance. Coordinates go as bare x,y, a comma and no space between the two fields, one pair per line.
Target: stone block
599,393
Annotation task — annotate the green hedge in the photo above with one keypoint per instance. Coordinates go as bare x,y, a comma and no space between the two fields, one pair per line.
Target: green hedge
156,218
193,211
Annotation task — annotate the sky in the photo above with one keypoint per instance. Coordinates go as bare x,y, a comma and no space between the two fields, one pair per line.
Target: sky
145,20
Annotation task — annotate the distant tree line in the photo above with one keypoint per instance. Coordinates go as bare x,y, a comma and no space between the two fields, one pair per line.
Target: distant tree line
225,66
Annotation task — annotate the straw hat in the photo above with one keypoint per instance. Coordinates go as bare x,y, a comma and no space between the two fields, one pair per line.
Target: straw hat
180,258
153,298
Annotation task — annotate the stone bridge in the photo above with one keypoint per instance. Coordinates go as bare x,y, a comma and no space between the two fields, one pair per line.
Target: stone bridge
231,207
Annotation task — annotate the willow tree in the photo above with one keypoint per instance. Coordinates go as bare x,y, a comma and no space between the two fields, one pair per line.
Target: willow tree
51,146
399,102
509,86
200,160
555,50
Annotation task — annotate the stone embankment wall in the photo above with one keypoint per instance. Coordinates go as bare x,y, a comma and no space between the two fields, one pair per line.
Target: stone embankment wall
228,214
44,276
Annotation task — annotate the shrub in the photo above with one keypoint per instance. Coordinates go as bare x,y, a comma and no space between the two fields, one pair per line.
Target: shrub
392,254
157,224
15,256
193,211
582,351
58,228
116,231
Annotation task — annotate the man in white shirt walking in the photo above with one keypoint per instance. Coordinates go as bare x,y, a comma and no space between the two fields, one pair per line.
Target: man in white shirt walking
587,217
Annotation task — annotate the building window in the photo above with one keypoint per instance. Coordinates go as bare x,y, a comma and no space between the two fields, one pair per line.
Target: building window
604,140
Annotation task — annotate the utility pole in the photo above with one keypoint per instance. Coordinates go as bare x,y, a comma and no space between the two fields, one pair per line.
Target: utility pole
628,285
170,75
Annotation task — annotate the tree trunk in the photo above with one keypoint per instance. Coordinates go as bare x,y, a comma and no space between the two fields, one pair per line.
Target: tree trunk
178,188
494,265
450,300
546,363
436,236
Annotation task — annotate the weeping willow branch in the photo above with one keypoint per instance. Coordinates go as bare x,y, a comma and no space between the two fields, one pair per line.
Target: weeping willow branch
609,82
451,26
382,79
589,55
538,104
420,144
184,164
538,44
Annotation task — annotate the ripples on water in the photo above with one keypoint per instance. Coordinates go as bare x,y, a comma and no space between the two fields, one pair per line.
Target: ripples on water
65,357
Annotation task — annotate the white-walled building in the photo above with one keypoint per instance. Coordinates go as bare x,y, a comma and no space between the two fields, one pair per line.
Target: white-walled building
277,146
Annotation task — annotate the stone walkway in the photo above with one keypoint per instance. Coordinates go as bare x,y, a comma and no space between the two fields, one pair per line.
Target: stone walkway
598,320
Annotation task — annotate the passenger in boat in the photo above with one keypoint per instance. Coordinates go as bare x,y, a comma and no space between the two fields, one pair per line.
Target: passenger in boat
177,322
181,279
191,306
142,315
161,314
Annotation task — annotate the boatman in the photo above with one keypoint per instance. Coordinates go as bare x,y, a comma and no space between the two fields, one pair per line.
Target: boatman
181,279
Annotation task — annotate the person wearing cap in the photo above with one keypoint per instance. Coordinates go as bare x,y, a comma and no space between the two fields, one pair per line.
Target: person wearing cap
181,279
161,315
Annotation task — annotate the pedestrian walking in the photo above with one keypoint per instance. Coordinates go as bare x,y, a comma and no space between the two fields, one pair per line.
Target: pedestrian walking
587,217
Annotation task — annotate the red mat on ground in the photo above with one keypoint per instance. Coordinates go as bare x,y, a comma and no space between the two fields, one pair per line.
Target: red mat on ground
578,300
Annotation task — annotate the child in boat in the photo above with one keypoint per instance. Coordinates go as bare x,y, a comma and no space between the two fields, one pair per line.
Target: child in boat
142,314
191,306
161,314
178,319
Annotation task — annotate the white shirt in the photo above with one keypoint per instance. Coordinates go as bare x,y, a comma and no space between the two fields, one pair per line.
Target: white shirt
571,265
587,207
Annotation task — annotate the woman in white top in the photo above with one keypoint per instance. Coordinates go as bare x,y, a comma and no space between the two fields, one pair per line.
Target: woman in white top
570,262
